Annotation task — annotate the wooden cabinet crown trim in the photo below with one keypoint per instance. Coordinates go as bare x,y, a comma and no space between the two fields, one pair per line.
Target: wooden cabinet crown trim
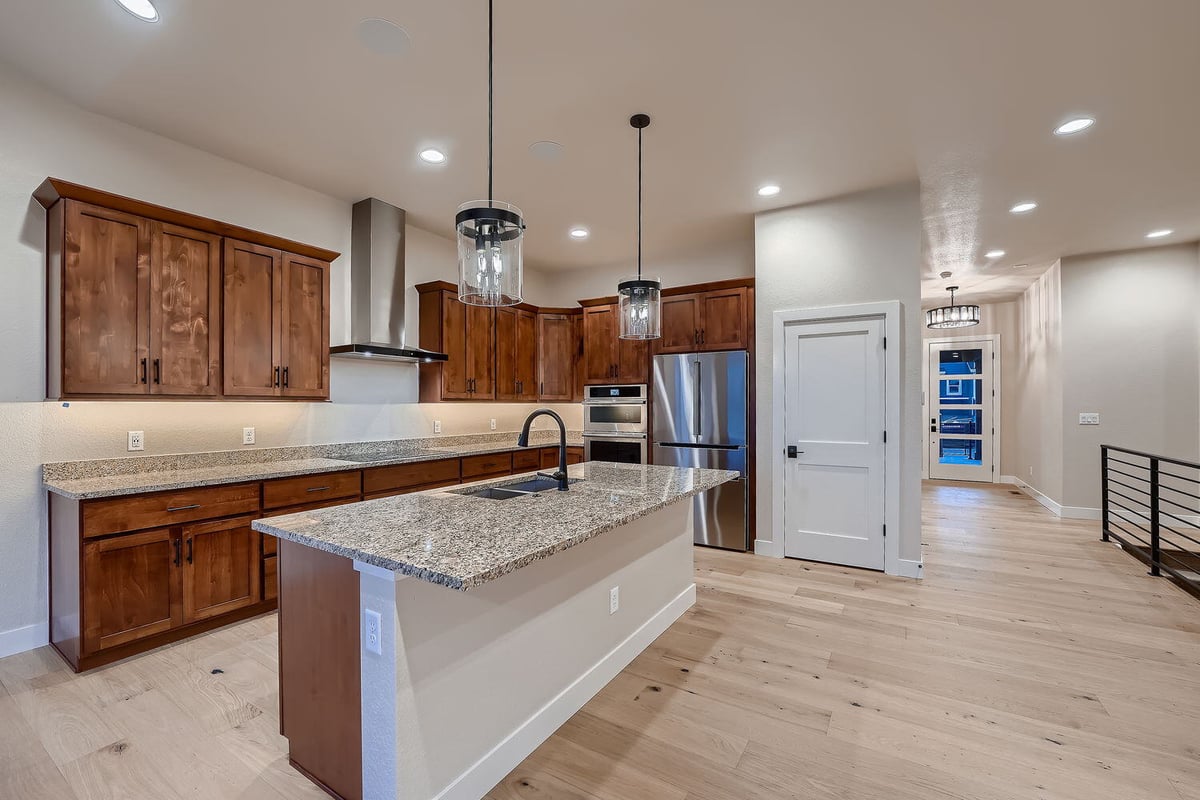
54,189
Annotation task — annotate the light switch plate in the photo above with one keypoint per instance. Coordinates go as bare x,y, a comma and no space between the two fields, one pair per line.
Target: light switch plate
372,631
1089,418
137,440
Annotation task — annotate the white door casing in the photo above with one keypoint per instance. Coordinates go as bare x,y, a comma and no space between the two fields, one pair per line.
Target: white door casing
834,487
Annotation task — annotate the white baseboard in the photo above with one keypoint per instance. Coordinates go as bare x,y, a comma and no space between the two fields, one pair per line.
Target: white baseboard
18,640
485,773
908,568
768,547
1079,512
1056,508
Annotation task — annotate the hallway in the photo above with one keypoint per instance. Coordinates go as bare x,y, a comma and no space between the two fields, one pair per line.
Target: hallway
1032,662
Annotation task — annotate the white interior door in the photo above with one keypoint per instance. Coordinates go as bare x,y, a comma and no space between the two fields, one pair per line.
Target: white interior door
961,404
833,507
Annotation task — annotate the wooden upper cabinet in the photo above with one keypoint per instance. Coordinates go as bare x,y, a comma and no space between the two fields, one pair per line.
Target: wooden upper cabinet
633,361
516,354
252,319
680,323
144,300
185,311
467,335
133,588
221,567
99,275
305,327
600,344
556,355
724,319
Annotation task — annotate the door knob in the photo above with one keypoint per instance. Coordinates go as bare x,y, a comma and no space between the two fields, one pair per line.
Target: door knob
792,452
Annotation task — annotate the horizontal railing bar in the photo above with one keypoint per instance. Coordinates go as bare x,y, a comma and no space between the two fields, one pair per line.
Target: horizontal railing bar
1179,491
1132,521
1129,464
1127,475
1184,564
1191,509
1130,534
1131,488
1163,459
1179,477
1177,533
1130,499
1178,519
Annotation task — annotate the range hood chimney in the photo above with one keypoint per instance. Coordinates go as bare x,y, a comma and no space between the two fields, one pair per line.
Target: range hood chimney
377,287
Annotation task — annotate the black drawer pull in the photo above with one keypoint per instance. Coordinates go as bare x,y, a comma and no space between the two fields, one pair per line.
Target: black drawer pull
318,489
183,508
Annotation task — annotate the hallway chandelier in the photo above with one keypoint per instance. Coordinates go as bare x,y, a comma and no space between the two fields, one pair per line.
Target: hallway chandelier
952,316
639,299
489,232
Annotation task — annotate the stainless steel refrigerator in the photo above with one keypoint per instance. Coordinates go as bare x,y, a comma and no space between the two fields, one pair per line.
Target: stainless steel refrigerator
700,419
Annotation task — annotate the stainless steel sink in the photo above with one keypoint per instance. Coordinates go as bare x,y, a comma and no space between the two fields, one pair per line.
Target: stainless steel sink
511,490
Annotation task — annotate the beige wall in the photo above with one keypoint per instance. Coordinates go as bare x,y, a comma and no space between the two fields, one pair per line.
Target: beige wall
1131,352
860,248
42,136
1037,387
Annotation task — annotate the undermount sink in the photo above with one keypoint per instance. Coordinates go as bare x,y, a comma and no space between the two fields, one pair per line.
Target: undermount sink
511,490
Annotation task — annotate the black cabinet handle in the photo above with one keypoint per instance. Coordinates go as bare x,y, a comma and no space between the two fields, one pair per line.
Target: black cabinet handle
285,377
696,336
183,508
277,376
143,378
190,553
157,371
318,489
178,551
702,335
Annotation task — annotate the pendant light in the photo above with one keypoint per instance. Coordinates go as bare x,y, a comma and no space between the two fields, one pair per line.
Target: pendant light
489,232
952,316
639,299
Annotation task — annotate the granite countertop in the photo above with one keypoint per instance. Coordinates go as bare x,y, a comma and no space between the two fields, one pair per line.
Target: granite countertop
462,542
86,480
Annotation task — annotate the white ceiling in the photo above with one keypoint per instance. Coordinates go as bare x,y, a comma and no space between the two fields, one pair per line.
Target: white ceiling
821,97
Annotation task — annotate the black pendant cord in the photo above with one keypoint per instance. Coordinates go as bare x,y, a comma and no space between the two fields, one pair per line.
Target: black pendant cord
491,60
640,203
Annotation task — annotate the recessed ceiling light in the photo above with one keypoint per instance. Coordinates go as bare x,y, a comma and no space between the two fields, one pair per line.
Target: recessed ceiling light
1023,208
769,190
1159,233
579,233
1074,126
381,36
1020,266
546,150
142,9
432,155
994,254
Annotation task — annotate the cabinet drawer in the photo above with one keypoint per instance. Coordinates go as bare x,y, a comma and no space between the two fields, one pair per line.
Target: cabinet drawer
407,476
525,460
574,455
483,466
425,487
161,509
270,545
310,488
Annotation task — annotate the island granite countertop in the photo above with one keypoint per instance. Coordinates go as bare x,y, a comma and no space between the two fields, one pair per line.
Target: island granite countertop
455,540
115,477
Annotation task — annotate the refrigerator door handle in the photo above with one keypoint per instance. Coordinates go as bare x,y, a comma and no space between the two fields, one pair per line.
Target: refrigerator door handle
696,401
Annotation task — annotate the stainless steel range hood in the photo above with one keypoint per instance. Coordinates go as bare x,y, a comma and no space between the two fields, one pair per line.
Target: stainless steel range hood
377,287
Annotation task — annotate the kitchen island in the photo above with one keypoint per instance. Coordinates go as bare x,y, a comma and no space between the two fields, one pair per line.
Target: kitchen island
497,620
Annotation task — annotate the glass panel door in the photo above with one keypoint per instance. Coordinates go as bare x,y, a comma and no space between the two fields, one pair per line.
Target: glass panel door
960,410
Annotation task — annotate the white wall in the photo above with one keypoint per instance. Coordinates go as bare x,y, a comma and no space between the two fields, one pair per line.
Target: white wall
859,248
732,259
1130,351
42,136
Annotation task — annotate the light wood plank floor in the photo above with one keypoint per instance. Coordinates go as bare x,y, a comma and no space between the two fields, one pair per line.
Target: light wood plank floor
1032,662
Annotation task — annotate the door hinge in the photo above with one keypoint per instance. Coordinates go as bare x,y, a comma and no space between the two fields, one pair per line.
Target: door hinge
885,343
885,437
885,530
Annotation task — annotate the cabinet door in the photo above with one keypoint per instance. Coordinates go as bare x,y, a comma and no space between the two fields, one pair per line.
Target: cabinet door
600,344
221,568
723,320
305,326
456,384
481,351
105,302
185,311
680,324
633,361
527,354
506,354
251,319
131,588
556,356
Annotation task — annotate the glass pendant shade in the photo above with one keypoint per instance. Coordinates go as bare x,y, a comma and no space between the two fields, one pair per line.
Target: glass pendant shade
638,305
952,316
490,234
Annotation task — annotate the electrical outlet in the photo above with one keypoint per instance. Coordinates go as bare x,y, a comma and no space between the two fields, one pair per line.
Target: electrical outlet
614,599
1089,418
373,631
493,424
247,435
1031,472
137,440
437,426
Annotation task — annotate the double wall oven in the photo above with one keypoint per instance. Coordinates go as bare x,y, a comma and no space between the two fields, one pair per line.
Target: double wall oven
615,423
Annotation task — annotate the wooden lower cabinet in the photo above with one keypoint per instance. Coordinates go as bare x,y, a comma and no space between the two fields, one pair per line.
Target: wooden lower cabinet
221,568
133,588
